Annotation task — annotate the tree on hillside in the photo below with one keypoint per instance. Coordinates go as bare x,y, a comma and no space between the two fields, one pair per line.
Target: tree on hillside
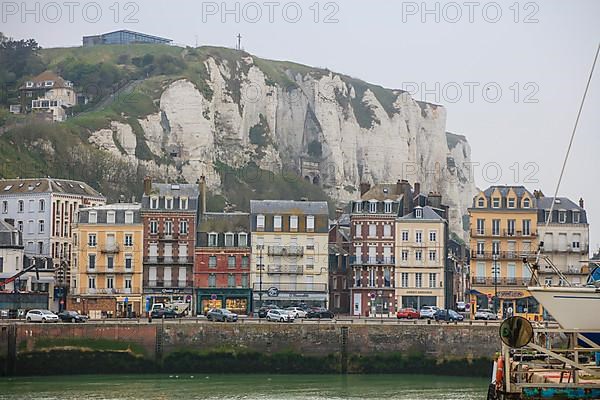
18,58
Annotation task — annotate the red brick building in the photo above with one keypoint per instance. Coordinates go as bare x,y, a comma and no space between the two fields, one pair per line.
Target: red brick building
169,217
340,273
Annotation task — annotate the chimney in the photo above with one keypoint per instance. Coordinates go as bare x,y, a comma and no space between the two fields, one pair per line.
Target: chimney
403,188
338,214
417,189
202,189
581,202
434,200
147,185
364,188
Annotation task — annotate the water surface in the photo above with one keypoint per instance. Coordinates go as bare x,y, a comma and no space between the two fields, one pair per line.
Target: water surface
248,387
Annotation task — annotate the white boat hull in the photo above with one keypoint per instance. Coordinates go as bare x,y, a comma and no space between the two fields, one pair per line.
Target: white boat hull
572,308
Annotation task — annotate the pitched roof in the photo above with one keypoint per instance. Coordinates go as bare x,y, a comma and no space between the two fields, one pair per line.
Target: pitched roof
429,214
47,185
562,203
519,190
224,222
59,82
381,192
288,207
175,189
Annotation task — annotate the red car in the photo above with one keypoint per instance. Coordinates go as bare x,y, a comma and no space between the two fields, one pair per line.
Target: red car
408,313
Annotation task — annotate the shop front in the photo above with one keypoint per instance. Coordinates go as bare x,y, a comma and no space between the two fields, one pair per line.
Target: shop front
238,301
169,297
417,299
129,306
292,298
510,302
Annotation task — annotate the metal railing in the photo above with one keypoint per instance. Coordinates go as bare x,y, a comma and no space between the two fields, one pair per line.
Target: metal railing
379,260
499,281
291,250
499,255
290,287
110,248
110,291
285,269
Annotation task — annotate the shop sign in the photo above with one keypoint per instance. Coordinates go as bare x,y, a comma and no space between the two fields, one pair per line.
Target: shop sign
419,292
167,291
273,292
511,294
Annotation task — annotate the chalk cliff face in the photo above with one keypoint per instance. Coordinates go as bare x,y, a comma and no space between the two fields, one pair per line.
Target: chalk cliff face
330,129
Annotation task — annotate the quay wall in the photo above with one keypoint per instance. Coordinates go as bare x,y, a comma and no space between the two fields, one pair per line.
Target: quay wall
450,349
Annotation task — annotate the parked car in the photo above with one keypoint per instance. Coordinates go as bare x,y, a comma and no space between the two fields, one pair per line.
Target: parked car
297,312
408,313
164,313
262,312
427,312
461,306
484,313
319,313
447,315
72,316
41,316
279,316
222,315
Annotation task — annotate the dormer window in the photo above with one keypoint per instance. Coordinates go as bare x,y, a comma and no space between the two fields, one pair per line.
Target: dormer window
418,212
212,239
242,239
511,202
277,222
373,206
260,222
183,203
562,216
169,203
496,202
576,217
481,202
526,203
388,207
229,239
93,217
358,207
49,83
29,84
153,203
110,217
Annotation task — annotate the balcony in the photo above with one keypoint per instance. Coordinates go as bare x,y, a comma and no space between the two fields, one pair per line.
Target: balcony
184,260
154,260
500,255
290,287
500,281
365,260
111,291
291,250
285,269
169,284
503,234
111,248
168,237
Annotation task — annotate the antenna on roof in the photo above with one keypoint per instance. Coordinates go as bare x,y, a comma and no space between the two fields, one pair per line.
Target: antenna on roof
239,42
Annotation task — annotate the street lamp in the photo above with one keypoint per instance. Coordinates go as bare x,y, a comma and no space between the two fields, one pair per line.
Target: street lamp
495,259
260,268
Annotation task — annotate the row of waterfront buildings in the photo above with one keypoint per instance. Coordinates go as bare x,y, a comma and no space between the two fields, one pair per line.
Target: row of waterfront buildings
389,249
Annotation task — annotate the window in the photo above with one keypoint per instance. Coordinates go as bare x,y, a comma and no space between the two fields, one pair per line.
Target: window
230,280
404,255
42,206
260,222
432,236
92,240
387,230
372,207
40,249
480,226
432,280
41,226
418,280
91,261
92,282
153,203
495,247
526,227
562,216
526,203
511,227
168,228
387,280
245,281
277,222
418,212
4,207
212,239
310,243
310,223
245,262
110,262
128,239
418,255
358,207
229,240
31,206
372,230
419,237
388,207
357,278
212,262
20,226
371,278
480,248
128,261
127,283
21,206
110,282
212,280
511,202
153,227
231,262
110,217
496,202
183,203
129,217
93,217
404,279
576,245
480,202
169,203
404,236
496,227
358,230
242,239
293,223
432,255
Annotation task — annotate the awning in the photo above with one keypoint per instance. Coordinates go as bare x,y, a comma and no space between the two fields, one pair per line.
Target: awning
503,293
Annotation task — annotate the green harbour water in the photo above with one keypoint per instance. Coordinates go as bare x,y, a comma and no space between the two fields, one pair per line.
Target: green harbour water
247,387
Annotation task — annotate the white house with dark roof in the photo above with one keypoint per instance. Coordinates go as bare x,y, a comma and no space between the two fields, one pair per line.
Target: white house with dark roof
11,255
44,210
48,92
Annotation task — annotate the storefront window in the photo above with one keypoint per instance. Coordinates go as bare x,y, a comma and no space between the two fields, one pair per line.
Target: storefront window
207,304
238,306
528,305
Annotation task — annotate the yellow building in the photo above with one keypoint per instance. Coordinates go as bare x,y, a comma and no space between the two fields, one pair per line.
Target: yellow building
503,223
107,260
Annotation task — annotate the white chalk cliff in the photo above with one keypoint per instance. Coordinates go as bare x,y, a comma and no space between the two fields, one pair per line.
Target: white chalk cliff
347,131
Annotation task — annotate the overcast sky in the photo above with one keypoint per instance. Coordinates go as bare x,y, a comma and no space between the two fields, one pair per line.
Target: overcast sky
510,73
